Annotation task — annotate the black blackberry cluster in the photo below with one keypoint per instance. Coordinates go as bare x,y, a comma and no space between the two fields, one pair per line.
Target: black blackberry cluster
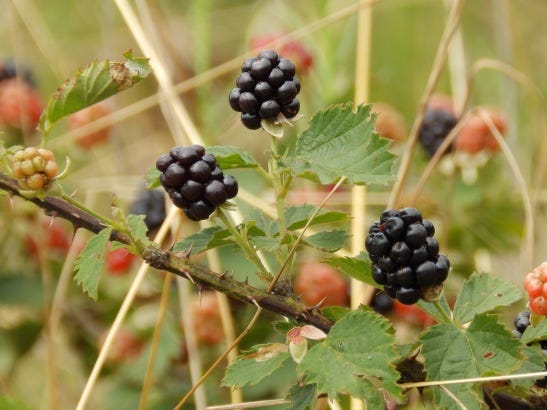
266,87
9,70
151,204
436,125
405,255
194,181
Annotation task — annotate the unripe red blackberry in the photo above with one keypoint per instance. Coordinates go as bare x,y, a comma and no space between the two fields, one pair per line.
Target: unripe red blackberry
265,88
405,256
194,181
34,168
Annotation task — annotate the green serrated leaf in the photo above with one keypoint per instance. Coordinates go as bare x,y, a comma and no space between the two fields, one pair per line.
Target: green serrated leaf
255,365
208,238
357,267
138,228
485,348
97,81
482,293
232,157
534,361
152,178
328,241
296,217
89,265
356,358
535,333
341,141
302,397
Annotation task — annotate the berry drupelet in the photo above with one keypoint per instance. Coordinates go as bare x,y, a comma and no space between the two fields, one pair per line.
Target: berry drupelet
194,181
266,87
405,255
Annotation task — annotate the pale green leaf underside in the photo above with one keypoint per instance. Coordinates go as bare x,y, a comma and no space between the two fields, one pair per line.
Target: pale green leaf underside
482,293
485,348
341,141
208,238
296,217
89,265
329,241
95,82
356,358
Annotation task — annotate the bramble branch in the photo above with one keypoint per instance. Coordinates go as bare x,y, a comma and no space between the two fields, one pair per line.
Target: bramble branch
180,265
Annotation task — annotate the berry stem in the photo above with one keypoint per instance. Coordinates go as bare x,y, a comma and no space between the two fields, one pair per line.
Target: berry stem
244,244
84,208
441,311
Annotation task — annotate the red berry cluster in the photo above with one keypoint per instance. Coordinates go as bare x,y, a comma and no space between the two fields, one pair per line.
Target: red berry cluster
405,255
194,181
319,283
535,285
86,116
476,136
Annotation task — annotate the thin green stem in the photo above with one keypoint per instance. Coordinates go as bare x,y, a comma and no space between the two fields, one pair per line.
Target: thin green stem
84,208
244,244
441,311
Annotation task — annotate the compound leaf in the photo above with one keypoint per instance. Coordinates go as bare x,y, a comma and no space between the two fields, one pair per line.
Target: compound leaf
356,358
485,348
97,81
341,141
89,264
482,293
256,364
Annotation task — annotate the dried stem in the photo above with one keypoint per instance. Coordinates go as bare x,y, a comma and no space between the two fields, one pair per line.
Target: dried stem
440,58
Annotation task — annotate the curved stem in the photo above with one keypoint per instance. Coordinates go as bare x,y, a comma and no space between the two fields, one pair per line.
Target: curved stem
243,243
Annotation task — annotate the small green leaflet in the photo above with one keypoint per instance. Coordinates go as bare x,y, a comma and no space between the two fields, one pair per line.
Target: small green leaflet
485,348
296,217
328,241
232,157
482,293
357,267
335,313
535,333
256,364
152,178
89,265
339,142
138,229
356,358
97,81
208,238
302,397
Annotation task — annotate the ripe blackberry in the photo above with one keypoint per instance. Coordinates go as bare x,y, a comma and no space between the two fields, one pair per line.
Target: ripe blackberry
436,125
151,204
405,256
265,89
34,168
194,181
